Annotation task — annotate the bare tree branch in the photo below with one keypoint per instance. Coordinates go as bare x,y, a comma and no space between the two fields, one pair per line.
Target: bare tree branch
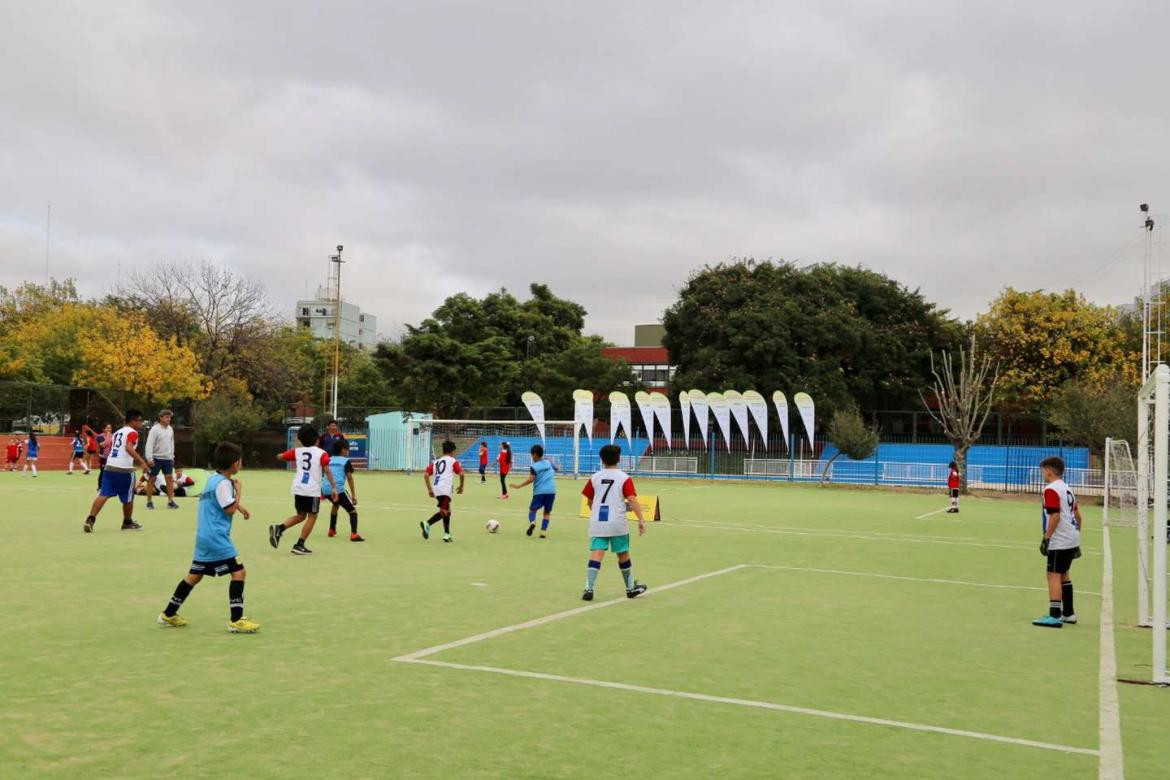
964,399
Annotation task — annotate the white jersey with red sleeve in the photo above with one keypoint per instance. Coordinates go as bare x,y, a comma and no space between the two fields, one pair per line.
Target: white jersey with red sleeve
609,489
310,463
1059,498
120,459
442,474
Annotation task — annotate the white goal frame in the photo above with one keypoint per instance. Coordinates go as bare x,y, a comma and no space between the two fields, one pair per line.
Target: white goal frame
1155,395
418,424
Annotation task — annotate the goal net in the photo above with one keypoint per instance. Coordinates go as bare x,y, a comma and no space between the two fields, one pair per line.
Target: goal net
562,446
1153,470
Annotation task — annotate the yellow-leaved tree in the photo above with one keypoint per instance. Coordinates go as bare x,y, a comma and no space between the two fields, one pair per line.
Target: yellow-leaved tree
1041,340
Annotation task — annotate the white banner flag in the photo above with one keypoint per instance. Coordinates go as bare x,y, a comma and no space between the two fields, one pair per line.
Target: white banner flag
781,402
699,407
808,414
619,416
759,409
642,399
684,403
583,412
739,413
722,411
536,409
661,406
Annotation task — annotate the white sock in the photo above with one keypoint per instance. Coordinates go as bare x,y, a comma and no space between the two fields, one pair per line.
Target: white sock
70,467
34,469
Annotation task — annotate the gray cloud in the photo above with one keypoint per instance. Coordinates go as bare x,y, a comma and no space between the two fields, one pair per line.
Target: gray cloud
608,149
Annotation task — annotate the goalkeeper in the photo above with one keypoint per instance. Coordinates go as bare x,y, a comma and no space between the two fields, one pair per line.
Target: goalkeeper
1061,544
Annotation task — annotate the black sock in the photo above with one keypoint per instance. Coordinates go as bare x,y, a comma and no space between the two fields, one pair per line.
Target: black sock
236,599
181,593
353,522
1066,593
1054,609
447,524
333,522
299,543
436,517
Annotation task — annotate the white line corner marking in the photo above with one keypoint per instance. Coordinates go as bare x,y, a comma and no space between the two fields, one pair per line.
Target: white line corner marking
421,657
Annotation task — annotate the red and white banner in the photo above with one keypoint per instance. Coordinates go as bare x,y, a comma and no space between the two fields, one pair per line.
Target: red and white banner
759,411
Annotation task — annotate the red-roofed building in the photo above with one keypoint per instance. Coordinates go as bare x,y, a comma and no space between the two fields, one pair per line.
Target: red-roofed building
649,360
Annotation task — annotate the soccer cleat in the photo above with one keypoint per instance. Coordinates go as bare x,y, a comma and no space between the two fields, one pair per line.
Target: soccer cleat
531,528
243,626
1048,622
636,591
1069,619
274,533
172,505
356,538
587,595
447,538
300,549
173,621
426,531
332,533
130,525
543,535
88,527
150,505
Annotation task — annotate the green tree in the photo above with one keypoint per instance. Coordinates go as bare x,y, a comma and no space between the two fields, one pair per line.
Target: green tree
845,335
852,438
1090,412
226,415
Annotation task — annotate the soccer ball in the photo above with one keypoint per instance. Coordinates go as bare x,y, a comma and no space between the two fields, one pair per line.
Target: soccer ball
492,526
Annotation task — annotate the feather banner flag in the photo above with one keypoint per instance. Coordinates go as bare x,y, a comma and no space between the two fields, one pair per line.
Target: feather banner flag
536,409
619,417
583,412
722,411
759,410
781,402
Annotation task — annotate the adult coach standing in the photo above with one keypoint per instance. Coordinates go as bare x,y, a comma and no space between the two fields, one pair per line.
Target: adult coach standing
332,435
160,456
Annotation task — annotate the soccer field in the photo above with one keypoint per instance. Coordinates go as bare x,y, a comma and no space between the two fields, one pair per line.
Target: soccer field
789,631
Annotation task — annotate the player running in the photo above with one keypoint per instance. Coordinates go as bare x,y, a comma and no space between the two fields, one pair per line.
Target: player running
78,457
608,492
439,479
118,478
1061,545
311,462
544,491
342,468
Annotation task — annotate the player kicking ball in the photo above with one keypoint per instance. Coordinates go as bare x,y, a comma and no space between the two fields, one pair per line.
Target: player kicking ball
1061,544
608,492
215,553
439,479
544,490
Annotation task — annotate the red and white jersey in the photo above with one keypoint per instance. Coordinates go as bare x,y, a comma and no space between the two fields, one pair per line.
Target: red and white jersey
442,473
119,459
609,490
1058,496
310,463
954,481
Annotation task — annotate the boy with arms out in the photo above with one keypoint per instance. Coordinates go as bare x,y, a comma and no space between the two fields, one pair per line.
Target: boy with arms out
342,468
118,478
215,553
310,464
1061,544
608,492
439,479
544,491
160,454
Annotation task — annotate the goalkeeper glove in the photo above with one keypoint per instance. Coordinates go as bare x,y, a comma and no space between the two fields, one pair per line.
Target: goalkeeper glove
1044,547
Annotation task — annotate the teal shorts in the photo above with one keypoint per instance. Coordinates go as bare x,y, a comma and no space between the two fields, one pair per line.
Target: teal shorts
619,544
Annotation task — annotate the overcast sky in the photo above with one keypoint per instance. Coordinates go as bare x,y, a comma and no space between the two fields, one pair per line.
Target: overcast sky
606,148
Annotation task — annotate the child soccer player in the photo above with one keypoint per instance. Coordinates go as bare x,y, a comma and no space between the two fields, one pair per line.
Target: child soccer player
439,479
342,468
78,458
12,451
1061,544
608,492
215,554
160,454
483,461
310,462
954,482
31,452
504,459
544,491
105,441
118,478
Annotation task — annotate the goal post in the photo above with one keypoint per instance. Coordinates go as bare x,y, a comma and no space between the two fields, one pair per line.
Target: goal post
561,442
1153,413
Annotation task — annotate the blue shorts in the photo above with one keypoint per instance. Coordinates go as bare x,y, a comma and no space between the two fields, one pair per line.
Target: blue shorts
165,466
118,484
542,501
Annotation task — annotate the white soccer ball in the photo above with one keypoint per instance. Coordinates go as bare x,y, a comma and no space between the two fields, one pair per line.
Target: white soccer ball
492,526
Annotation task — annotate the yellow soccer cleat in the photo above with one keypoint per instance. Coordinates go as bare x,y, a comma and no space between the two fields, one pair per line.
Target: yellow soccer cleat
243,626
174,621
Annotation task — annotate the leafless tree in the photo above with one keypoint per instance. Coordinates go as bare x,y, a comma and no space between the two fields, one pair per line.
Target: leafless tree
964,395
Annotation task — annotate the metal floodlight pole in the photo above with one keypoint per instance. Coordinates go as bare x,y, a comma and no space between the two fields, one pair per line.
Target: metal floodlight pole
336,325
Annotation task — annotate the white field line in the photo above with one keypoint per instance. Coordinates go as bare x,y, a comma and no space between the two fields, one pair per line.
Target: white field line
1111,765
557,616
931,580
764,705
935,512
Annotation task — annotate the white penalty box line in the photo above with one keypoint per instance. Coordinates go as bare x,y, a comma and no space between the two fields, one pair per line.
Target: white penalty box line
422,657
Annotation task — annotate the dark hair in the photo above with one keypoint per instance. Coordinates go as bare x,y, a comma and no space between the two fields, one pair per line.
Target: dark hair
340,446
307,435
1053,464
483,444
954,466
132,415
330,421
32,436
448,447
611,454
537,451
226,455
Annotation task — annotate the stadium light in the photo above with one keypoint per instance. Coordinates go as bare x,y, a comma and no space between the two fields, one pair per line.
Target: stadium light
336,324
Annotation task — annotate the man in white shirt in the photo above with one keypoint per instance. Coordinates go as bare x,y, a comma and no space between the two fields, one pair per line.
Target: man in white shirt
160,456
